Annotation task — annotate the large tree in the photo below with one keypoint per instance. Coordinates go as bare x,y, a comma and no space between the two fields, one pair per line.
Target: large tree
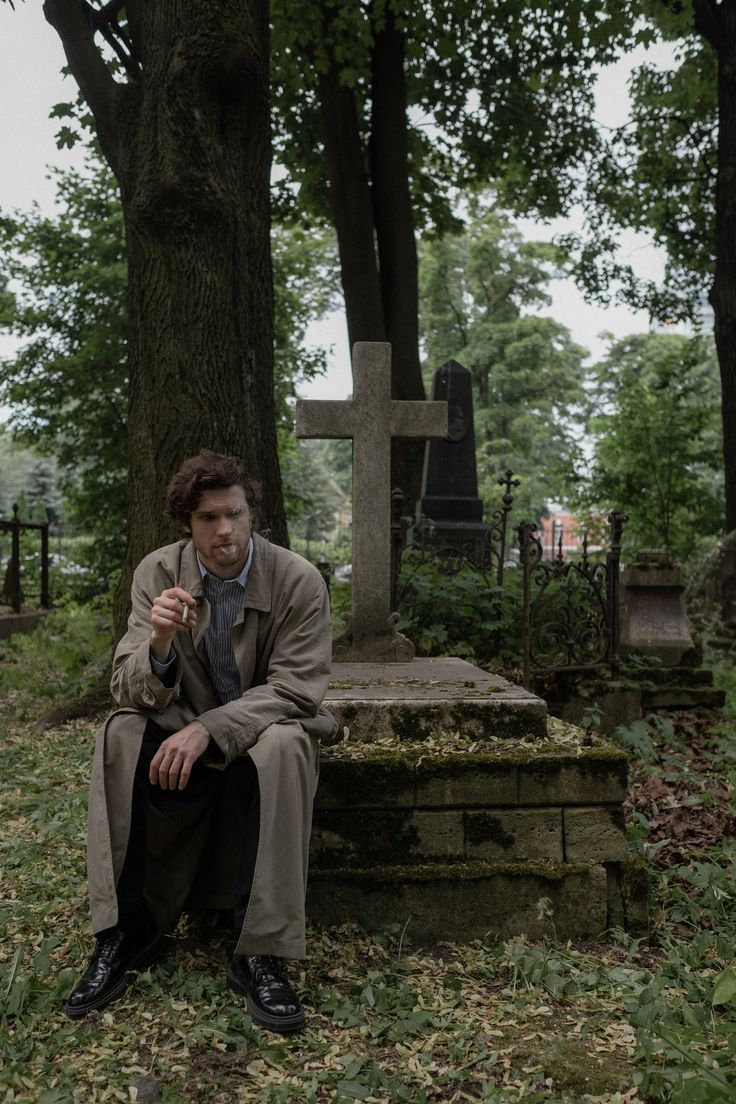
182,117
383,108
66,384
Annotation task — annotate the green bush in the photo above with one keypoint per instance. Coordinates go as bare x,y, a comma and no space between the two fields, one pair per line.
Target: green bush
65,656
449,611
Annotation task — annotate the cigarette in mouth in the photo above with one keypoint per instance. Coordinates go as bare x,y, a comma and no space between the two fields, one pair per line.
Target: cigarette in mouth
185,615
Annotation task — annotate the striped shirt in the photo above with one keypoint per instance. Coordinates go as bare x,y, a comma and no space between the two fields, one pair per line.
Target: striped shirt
225,597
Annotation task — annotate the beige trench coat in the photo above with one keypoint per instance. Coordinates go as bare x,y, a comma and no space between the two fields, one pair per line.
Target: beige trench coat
281,640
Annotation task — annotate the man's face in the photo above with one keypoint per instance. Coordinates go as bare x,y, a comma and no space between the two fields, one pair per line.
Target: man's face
220,528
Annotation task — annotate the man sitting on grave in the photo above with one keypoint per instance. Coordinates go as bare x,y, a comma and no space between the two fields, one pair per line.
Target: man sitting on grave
203,781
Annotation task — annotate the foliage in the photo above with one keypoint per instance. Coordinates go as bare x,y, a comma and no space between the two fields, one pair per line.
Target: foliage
480,290
657,174
29,480
656,435
313,496
67,384
453,609
504,96
60,660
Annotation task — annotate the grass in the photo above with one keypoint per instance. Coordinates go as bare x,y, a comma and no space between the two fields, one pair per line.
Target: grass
613,1023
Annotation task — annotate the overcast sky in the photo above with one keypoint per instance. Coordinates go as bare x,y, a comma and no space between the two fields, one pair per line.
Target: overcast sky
30,84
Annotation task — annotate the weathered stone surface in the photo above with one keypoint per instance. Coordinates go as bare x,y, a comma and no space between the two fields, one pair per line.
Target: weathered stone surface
683,697
514,835
467,901
482,779
429,697
386,836
619,704
385,782
594,834
371,418
20,623
653,617
595,779
461,781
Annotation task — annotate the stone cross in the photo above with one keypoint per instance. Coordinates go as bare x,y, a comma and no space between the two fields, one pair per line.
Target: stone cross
371,418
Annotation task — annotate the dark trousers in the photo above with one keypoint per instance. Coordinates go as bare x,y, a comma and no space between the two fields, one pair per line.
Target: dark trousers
176,813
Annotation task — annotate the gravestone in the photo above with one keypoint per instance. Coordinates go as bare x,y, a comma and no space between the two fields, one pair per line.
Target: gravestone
654,624
444,803
653,617
371,418
450,501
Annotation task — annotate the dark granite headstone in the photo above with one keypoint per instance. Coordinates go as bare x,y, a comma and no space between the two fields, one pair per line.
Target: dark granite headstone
450,486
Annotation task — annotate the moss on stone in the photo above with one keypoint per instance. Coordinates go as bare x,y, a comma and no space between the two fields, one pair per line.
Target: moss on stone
379,876
396,832
487,828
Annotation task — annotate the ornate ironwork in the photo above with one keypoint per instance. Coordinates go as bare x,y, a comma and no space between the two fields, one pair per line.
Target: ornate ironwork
12,588
570,607
498,525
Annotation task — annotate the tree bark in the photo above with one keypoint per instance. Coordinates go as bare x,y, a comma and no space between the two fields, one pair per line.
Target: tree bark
188,139
723,291
350,197
397,253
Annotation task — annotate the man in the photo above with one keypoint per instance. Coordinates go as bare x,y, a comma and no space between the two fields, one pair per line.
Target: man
203,781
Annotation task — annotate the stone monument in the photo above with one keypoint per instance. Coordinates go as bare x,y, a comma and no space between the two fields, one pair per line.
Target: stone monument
372,418
444,804
450,501
654,624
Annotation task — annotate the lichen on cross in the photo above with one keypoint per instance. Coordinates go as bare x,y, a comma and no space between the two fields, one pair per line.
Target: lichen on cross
371,418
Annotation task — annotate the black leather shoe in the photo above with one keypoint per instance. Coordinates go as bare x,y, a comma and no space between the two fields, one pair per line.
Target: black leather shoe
270,999
107,976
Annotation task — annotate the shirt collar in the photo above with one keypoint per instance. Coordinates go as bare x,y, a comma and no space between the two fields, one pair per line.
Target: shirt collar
242,578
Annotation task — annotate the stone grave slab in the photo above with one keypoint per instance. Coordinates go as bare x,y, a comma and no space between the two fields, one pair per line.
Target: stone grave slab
430,696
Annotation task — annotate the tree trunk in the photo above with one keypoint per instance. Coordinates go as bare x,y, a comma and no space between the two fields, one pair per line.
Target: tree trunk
188,138
723,291
350,196
397,253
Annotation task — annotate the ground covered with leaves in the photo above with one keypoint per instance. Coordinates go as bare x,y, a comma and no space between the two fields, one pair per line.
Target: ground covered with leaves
620,1021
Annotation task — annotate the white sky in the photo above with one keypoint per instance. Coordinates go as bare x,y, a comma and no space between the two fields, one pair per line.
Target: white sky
30,84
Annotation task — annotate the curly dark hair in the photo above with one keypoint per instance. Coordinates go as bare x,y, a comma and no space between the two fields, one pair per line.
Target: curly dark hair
206,472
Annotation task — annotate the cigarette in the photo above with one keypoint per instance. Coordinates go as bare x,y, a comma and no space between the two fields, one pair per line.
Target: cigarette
185,615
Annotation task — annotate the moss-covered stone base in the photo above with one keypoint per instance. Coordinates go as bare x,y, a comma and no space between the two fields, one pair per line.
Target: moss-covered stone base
462,902
476,837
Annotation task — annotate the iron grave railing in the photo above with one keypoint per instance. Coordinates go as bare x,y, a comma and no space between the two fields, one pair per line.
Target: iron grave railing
565,618
12,583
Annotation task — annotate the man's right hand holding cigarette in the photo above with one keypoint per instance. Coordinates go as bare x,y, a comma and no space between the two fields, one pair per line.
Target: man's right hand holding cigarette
173,611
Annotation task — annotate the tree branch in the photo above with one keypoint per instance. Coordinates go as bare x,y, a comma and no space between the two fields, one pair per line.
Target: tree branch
76,31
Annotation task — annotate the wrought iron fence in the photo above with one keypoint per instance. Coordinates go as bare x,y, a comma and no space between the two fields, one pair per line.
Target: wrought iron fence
570,607
566,618
12,584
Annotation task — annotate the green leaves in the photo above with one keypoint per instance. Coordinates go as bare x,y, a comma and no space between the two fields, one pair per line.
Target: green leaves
724,991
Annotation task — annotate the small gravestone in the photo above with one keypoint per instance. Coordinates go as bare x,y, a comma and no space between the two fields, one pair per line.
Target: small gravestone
655,625
450,501
653,618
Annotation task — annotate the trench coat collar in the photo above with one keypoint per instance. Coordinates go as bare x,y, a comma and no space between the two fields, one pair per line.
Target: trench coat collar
260,578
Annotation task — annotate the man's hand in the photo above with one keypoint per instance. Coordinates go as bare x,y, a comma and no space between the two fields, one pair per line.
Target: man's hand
172,764
168,618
